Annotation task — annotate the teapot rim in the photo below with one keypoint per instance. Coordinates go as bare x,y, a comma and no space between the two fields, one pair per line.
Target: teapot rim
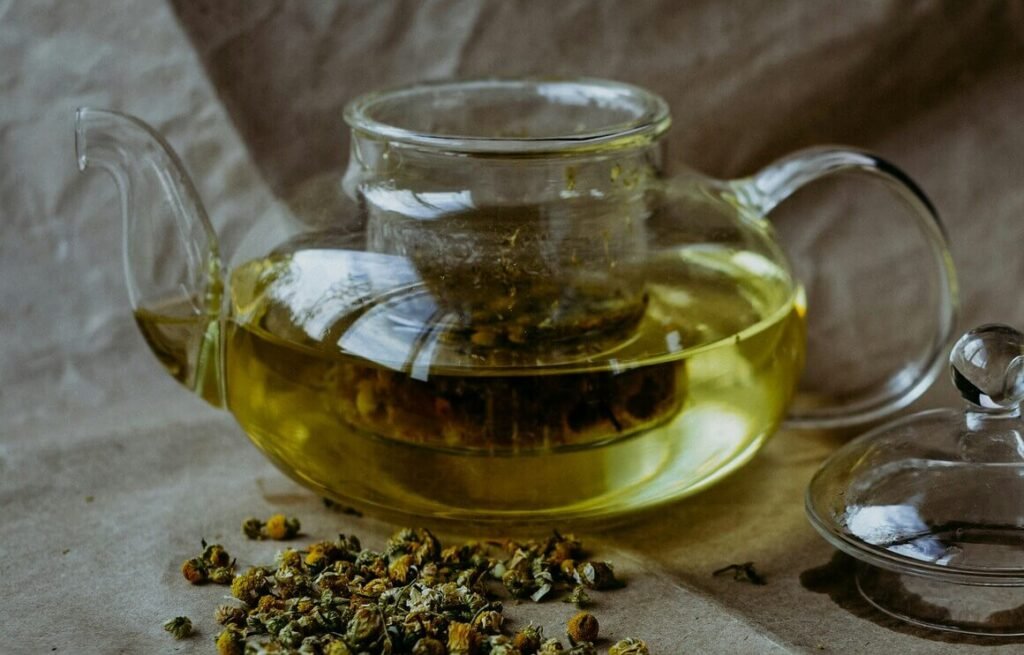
644,115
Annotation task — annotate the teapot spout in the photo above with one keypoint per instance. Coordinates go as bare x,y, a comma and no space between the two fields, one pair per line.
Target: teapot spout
171,264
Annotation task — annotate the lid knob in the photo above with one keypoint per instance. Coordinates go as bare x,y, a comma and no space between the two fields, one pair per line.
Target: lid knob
987,365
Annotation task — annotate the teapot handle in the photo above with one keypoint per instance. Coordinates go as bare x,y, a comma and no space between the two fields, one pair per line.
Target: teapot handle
776,182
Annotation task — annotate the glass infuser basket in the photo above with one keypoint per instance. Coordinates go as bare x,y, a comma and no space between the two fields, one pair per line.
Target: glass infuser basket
932,505
504,309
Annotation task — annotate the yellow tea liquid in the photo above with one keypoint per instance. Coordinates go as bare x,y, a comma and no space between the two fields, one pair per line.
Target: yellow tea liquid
348,373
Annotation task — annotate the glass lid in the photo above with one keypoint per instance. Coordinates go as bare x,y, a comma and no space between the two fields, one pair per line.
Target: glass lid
933,504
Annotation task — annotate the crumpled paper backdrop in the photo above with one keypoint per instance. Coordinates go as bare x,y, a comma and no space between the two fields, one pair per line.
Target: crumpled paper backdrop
110,473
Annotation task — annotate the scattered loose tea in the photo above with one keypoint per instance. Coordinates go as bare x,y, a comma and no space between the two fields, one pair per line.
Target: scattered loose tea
179,626
629,646
412,597
742,573
582,627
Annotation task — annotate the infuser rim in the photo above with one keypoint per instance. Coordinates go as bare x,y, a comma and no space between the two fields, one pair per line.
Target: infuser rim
645,115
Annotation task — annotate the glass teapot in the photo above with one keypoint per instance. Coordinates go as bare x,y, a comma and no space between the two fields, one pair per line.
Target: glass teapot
504,309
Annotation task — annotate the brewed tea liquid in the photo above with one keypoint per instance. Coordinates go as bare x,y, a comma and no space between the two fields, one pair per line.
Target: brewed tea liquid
349,372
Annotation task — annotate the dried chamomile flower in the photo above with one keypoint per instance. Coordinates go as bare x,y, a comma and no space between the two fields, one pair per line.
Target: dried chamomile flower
629,646
582,648
550,647
401,569
337,647
249,586
418,542
519,583
230,615
428,646
321,554
528,639
195,570
462,639
215,556
501,645
221,575
560,548
579,597
488,622
596,575
179,626
582,627
278,527
230,642
252,528
365,628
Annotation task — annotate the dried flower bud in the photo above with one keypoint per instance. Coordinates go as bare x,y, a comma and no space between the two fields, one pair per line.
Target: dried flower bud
596,575
454,555
488,622
462,639
578,597
400,570
230,642
321,554
179,626
365,627
230,615
279,527
430,574
567,568
372,564
215,556
222,575
629,646
290,635
550,647
519,583
249,586
194,570
252,528
428,646
289,558
275,624
337,647
375,587
292,583
269,603
501,645
528,640
582,627
582,648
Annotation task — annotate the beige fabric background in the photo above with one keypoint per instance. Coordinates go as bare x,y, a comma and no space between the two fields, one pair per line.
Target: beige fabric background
110,473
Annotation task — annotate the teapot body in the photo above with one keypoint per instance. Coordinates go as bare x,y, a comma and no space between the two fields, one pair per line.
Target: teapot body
494,335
